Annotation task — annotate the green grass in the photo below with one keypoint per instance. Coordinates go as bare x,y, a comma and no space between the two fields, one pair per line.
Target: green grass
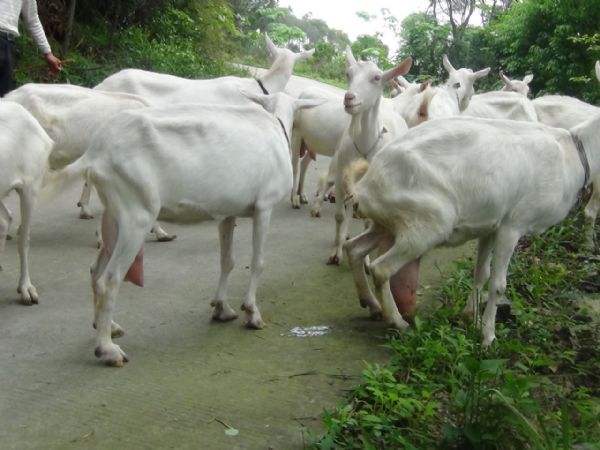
537,386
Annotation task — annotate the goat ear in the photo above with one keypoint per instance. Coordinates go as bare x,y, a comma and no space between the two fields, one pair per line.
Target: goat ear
303,103
481,73
598,70
271,48
305,54
505,79
528,79
447,64
350,59
400,69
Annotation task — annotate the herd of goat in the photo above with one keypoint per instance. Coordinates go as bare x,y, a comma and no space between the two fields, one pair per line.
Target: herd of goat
430,166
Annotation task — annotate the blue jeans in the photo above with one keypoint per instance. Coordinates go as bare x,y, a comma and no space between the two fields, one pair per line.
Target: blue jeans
7,58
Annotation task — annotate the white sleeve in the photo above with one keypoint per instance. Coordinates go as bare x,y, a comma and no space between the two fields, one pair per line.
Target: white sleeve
32,21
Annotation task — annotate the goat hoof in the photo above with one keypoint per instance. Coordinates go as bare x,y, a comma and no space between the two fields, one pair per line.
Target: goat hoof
333,260
166,238
85,215
223,312
331,198
314,213
253,318
29,295
303,199
255,324
111,356
397,323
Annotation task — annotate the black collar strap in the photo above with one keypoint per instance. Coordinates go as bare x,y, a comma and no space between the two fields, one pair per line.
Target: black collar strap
381,133
583,157
262,87
284,132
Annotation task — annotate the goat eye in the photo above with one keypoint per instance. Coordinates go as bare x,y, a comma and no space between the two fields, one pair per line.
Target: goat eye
348,75
377,78
456,85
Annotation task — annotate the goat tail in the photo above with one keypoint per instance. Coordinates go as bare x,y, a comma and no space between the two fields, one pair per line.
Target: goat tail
353,174
60,180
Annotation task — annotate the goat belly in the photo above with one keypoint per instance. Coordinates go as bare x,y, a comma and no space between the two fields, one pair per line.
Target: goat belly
135,274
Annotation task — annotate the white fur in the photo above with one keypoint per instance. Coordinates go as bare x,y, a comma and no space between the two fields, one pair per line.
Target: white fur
321,128
161,89
501,105
521,87
187,163
363,138
565,112
447,100
449,181
24,151
70,115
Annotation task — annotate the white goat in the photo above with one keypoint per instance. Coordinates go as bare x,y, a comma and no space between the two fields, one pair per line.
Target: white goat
521,87
565,112
24,151
501,105
70,114
407,104
422,102
372,125
318,129
207,176
453,97
453,180
167,90
417,103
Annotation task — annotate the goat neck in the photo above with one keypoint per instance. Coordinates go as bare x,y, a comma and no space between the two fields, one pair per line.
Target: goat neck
589,134
278,75
365,129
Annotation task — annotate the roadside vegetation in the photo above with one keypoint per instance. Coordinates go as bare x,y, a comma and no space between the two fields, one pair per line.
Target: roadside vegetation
537,387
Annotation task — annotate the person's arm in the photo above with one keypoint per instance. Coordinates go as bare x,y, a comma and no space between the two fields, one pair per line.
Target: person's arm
34,26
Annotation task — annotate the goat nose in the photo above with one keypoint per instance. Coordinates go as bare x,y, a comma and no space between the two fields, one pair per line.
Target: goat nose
349,96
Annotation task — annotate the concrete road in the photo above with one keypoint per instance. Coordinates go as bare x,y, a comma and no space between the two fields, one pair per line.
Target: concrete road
190,383
188,378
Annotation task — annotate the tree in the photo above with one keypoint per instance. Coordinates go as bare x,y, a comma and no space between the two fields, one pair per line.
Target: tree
458,13
426,41
371,48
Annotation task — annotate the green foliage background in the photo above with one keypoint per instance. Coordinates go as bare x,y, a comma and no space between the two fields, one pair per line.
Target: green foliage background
556,40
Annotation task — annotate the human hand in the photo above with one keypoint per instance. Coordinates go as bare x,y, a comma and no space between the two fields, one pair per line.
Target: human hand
53,62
